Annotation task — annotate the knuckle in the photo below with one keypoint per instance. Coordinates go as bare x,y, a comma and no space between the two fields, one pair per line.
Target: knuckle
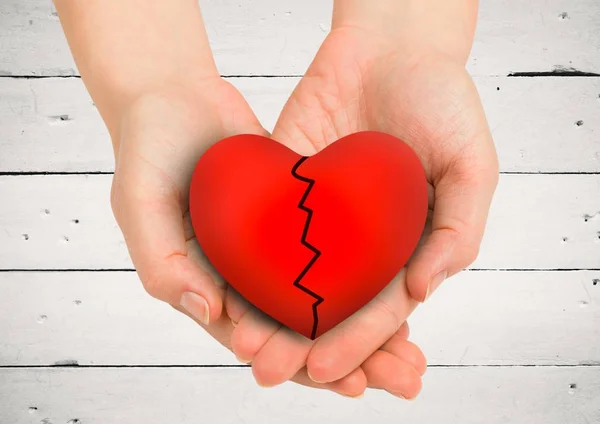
318,367
152,284
385,309
469,254
466,240
266,374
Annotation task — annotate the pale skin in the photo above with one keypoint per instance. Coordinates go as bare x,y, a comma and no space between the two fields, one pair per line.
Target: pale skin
395,66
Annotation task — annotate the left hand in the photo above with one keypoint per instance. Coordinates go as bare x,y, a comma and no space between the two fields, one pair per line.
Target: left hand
360,81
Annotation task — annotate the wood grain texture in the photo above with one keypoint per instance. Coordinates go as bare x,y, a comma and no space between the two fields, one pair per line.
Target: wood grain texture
51,125
451,395
65,222
514,343
280,37
476,318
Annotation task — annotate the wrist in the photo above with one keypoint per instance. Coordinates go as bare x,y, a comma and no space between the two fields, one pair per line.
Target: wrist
418,27
117,92
184,106
125,49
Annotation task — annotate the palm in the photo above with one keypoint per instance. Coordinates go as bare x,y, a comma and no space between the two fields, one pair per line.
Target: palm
162,137
360,82
357,83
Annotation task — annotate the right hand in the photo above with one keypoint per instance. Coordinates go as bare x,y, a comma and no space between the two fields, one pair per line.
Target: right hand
162,135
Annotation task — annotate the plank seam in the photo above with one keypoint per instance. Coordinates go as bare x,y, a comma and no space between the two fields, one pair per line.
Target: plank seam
555,73
542,74
590,365
226,76
43,173
8,270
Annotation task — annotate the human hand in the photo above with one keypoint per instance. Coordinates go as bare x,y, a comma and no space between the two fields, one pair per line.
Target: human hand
163,106
361,80
161,137
358,82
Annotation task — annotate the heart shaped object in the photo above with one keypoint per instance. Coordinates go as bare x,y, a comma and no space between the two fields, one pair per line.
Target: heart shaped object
309,240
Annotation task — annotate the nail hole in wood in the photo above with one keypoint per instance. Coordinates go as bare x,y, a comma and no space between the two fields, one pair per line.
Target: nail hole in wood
42,319
579,123
66,363
25,237
563,16
59,118
32,409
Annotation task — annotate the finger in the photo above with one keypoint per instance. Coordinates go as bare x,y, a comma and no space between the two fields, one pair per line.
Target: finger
281,357
385,371
342,349
407,352
404,331
235,305
252,332
298,126
168,264
220,329
462,201
353,385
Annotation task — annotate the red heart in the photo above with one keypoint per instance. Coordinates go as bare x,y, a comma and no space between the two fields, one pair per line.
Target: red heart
309,240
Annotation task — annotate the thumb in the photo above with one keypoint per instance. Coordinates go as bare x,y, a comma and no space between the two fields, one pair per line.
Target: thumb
461,203
162,245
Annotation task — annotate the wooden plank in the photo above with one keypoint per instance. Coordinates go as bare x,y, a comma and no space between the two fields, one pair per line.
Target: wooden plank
450,395
51,125
65,222
280,37
476,318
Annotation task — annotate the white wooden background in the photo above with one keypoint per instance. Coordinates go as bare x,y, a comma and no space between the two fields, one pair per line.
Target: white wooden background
515,339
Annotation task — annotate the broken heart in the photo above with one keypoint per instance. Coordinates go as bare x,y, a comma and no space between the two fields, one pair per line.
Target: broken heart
309,240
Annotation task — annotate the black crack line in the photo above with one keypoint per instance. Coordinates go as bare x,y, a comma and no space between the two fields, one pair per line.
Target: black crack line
305,243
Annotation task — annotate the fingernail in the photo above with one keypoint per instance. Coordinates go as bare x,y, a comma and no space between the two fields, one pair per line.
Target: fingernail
264,386
196,306
354,397
311,377
399,396
243,361
436,281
